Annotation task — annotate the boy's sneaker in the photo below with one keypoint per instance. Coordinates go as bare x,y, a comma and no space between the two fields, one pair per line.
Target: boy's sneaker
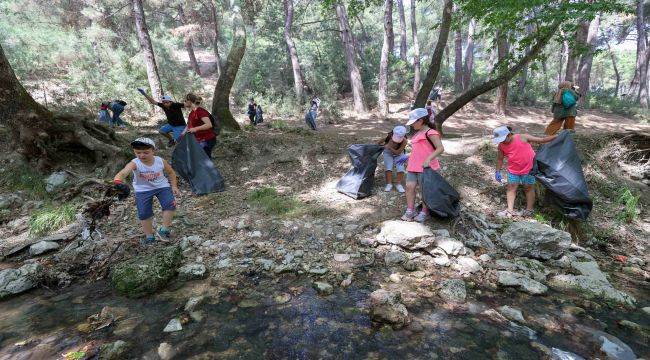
150,239
164,233
388,187
421,217
400,188
408,215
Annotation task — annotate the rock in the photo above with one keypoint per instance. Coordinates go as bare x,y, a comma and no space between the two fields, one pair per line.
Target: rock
42,247
166,351
385,307
323,288
126,327
347,281
191,241
608,344
631,326
509,278
193,302
16,281
485,258
410,265
646,310
442,260
341,257
282,298
173,325
453,290
224,263
146,274
266,264
197,316
114,351
256,234
396,278
10,201
511,313
395,257
557,354
55,181
535,240
402,233
114,313
451,246
192,272
466,265
370,242
319,270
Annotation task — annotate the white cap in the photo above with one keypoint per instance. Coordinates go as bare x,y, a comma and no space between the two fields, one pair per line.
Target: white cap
398,133
166,98
499,134
417,114
143,141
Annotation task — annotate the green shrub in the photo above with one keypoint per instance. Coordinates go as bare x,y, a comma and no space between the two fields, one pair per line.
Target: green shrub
24,178
629,203
279,125
51,218
272,203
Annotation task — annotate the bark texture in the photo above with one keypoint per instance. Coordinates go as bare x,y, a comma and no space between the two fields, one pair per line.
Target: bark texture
147,49
502,91
575,51
358,92
416,49
382,97
402,30
587,59
639,85
189,43
298,81
458,61
468,67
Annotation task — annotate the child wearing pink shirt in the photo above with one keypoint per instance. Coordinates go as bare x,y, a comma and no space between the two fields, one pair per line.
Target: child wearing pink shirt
520,154
426,146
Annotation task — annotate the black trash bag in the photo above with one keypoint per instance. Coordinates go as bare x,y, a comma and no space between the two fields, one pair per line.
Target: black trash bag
193,164
357,183
559,168
440,197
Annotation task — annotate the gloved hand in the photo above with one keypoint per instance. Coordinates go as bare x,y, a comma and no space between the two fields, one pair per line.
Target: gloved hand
401,159
497,176
141,90
121,189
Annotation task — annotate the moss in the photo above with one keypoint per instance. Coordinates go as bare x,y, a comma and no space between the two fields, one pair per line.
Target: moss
146,274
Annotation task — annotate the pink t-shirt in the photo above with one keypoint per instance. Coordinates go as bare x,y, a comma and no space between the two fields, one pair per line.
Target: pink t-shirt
520,155
420,149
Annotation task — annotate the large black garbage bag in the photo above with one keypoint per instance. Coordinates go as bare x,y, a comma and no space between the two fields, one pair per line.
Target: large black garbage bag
192,164
559,168
440,197
357,183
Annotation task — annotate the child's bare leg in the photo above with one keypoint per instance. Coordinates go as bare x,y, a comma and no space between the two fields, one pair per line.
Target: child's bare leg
168,215
530,196
147,226
400,177
389,177
410,194
511,194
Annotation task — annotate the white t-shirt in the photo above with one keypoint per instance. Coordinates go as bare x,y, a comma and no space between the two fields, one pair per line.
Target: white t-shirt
147,178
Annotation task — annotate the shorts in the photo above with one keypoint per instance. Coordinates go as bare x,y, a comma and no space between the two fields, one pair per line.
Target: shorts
175,130
389,161
521,179
414,177
144,201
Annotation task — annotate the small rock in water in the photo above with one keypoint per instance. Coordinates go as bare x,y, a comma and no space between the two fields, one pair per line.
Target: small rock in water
509,278
347,281
166,351
646,310
512,313
173,325
557,354
42,247
193,302
341,257
192,272
114,351
282,298
16,281
453,290
323,288
386,307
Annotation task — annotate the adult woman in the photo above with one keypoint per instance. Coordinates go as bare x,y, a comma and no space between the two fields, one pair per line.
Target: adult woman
564,108
199,124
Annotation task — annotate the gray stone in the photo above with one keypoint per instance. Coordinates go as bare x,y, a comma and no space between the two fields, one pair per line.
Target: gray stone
395,257
166,351
451,246
193,302
224,263
590,288
535,240
453,290
386,308
466,265
319,270
192,272
402,233
441,260
146,274
557,354
42,247
266,264
173,325
610,345
323,288
16,281
509,278
646,310
485,258
55,181
511,313
114,351
341,257
410,265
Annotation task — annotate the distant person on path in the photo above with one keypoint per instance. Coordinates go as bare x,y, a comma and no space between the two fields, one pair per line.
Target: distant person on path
199,123
252,109
310,116
117,107
394,144
174,114
520,154
149,181
564,108
430,110
259,114
426,147
103,115
435,94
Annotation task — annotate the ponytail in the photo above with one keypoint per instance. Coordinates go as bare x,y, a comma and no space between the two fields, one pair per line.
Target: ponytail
193,98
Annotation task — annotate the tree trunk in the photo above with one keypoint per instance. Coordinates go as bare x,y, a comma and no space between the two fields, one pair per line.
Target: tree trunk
382,98
217,55
298,82
358,92
503,78
641,45
402,30
391,34
468,67
189,44
564,48
416,49
436,58
221,98
523,76
458,61
587,59
574,53
612,56
147,49
502,90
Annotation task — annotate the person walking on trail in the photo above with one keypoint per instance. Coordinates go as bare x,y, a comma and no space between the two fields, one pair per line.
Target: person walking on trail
394,144
174,114
426,147
310,116
520,154
149,181
259,114
199,124
103,115
117,107
563,108
431,110
252,110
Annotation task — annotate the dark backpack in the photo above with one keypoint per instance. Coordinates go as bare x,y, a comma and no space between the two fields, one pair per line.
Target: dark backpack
216,124
121,102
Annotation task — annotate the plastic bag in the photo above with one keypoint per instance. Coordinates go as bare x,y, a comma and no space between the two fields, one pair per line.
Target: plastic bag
358,182
192,164
559,168
440,197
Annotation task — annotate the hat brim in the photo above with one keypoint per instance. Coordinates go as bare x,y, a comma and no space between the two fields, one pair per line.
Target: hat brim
136,143
411,122
499,140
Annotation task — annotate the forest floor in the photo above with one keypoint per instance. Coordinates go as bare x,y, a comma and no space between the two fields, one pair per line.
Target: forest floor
280,234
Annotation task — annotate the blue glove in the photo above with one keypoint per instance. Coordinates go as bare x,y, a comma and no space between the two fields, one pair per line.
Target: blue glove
497,176
141,90
401,159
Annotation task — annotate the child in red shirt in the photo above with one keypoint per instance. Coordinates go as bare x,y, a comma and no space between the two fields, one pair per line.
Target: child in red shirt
199,124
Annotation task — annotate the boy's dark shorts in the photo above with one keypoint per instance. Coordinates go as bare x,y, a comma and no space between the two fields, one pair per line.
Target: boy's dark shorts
144,201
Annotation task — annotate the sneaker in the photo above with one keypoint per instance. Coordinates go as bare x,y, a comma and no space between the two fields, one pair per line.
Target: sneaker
527,213
408,215
505,214
388,187
164,233
421,217
150,239
400,188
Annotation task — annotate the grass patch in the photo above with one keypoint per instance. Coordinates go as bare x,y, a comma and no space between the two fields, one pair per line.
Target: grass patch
272,203
51,218
24,178
629,202
279,125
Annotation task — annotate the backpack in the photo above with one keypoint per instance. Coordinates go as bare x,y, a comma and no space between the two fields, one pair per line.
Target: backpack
568,99
121,102
216,124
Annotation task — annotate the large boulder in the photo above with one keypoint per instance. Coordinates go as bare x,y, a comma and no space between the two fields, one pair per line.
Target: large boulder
146,274
56,180
386,308
42,247
523,283
535,240
402,233
16,281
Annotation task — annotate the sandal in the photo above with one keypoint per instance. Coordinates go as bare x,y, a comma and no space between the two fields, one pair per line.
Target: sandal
527,213
505,214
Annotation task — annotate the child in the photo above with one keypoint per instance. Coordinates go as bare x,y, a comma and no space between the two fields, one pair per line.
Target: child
430,110
117,107
310,116
259,114
426,146
520,155
252,106
104,116
149,181
394,145
199,123
563,108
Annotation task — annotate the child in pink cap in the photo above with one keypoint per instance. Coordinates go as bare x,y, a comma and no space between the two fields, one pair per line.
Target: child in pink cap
394,144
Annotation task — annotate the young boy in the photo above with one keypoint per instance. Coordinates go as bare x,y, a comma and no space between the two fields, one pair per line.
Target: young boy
520,154
149,181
